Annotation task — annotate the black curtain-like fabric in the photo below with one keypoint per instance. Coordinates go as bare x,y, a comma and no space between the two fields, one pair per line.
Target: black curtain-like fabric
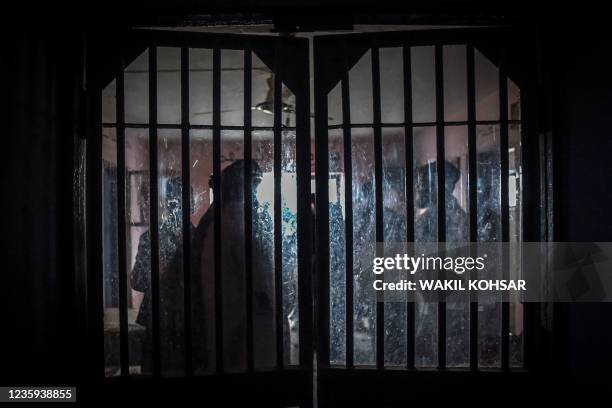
39,330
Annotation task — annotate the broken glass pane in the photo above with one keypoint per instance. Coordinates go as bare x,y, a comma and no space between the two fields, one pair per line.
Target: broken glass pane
457,230
171,293
264,308
202,261
489,229
425,230
291,323
394,229
337,259
364,236
138,249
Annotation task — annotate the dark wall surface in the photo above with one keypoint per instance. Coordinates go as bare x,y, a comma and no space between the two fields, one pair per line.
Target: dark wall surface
39,327
581,111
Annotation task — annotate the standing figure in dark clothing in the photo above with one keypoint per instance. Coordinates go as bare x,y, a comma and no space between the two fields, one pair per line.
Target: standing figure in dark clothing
170,240
233,297
425,229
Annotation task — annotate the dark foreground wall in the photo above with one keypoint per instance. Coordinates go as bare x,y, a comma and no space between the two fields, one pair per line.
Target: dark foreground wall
39,327
581,65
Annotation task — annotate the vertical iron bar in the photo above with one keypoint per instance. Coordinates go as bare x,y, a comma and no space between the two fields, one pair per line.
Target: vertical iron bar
121,227
441,201
304,210
409,162
322,302
278,250
473,205
248,206
186,202
505,211
153,205
378,177
348,209
217,206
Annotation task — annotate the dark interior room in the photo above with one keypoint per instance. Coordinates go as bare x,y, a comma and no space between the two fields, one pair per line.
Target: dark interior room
309,133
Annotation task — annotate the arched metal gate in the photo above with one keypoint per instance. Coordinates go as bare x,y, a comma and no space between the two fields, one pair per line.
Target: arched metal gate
201,232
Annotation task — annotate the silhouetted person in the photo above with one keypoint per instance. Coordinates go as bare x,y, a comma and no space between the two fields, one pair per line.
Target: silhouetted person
233,272
426,224
170,240
233,292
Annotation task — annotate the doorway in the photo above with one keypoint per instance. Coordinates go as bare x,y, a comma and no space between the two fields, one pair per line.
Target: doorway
218,278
